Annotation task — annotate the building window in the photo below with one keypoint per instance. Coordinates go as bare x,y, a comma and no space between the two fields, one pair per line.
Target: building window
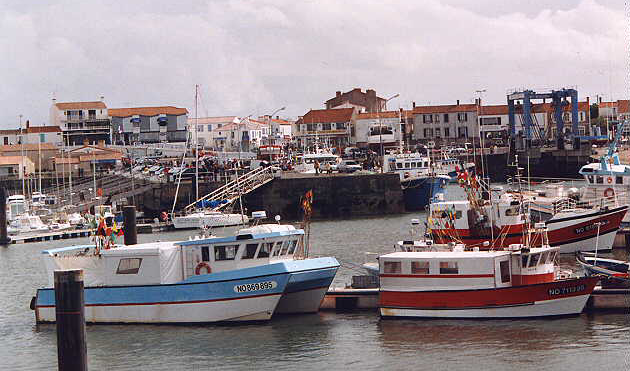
225,252
437,118
462,116
446,117
448,268
129,266
427,118
326,126
200,128
341,125
209,128
311,127
392,267
419,267
437,133
447,132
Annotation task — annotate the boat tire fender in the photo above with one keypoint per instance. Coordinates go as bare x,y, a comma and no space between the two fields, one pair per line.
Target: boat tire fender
201,266
609,192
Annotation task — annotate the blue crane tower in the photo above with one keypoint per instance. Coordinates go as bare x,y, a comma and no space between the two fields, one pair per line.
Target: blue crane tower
558,102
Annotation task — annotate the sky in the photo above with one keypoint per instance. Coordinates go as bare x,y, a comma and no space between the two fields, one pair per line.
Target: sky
256,56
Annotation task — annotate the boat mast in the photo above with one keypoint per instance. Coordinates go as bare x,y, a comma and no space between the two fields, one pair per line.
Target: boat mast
196,146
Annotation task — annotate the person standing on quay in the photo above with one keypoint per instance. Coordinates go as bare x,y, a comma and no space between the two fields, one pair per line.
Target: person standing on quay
316,165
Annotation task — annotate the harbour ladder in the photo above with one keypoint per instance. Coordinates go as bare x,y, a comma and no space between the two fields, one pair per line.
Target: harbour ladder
231,191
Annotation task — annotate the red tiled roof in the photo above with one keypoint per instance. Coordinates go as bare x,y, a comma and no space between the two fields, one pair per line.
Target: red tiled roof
384,115
451,108
66,160
43,129
328,115
623,106
12,160
146,111
80,105
607,104
9,132
28,147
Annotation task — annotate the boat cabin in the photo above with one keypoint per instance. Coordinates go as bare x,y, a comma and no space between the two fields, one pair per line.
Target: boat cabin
306,162
408,165
460,214
172,262
461,269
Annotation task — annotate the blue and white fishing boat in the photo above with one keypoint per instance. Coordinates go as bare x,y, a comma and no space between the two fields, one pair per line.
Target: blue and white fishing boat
249,276
418,180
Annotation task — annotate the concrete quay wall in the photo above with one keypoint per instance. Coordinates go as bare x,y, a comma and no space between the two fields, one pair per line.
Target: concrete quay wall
334,196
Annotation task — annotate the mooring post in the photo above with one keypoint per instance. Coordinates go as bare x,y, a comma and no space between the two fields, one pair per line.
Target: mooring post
70,317
131,232
4,240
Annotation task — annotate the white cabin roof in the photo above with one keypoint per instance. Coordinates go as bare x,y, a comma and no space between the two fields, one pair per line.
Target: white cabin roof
444,254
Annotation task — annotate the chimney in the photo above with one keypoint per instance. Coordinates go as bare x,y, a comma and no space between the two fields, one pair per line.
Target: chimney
338,94
413,104
102,98
599,100
370,93
458,102
27,124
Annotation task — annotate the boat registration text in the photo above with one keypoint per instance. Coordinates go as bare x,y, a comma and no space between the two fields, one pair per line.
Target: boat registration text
258,286
566,290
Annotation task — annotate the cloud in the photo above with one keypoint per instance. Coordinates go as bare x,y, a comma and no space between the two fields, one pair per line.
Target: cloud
253,56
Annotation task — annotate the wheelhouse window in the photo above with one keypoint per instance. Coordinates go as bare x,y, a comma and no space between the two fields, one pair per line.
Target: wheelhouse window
285,247
420,267
524,259
512,211
504,266
276,250
265,250
534,260
227,252
399,165
599,179
129,266
619,180
250,251
590,179
544,256
292,245
392,267
449,268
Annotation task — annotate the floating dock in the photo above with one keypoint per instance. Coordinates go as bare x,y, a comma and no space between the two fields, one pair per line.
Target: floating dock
349,299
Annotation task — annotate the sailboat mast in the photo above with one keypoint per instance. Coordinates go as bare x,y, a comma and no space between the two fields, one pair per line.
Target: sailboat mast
196,146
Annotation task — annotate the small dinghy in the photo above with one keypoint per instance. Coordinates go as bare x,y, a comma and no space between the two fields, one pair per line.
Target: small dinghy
615,273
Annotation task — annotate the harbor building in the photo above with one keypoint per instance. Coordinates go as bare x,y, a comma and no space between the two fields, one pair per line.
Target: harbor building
280,130
331,127
16,166
149,124
355,98
32,135
37,153
242,135
445,122
83,160
206,126
80,121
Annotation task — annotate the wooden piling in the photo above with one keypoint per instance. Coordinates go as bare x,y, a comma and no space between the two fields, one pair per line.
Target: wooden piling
70,319
130,229
4,239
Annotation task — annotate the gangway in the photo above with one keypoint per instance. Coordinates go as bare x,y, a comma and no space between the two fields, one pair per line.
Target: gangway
231,191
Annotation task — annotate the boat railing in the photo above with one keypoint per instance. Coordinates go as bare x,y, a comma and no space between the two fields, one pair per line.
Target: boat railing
242,185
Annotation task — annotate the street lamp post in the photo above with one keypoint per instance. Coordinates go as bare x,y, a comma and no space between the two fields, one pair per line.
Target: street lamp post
270,126
380,129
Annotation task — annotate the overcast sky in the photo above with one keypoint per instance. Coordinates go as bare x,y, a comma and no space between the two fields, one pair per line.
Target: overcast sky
254,56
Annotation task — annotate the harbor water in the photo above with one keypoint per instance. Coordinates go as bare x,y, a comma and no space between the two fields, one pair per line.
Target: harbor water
323,341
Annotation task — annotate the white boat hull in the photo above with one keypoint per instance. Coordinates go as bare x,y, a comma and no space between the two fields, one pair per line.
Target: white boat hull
246,309
307,301
555,307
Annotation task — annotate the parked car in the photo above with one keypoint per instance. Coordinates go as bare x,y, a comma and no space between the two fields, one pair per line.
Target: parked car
348,166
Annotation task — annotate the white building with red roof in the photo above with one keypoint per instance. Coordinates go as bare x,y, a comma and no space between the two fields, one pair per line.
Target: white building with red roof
80,121
243,135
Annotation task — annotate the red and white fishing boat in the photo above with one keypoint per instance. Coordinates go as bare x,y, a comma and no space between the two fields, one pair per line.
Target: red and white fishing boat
500,218
469,283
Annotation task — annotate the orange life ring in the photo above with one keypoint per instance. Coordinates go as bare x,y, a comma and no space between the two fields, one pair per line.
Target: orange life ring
609,180
609,192
201,266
